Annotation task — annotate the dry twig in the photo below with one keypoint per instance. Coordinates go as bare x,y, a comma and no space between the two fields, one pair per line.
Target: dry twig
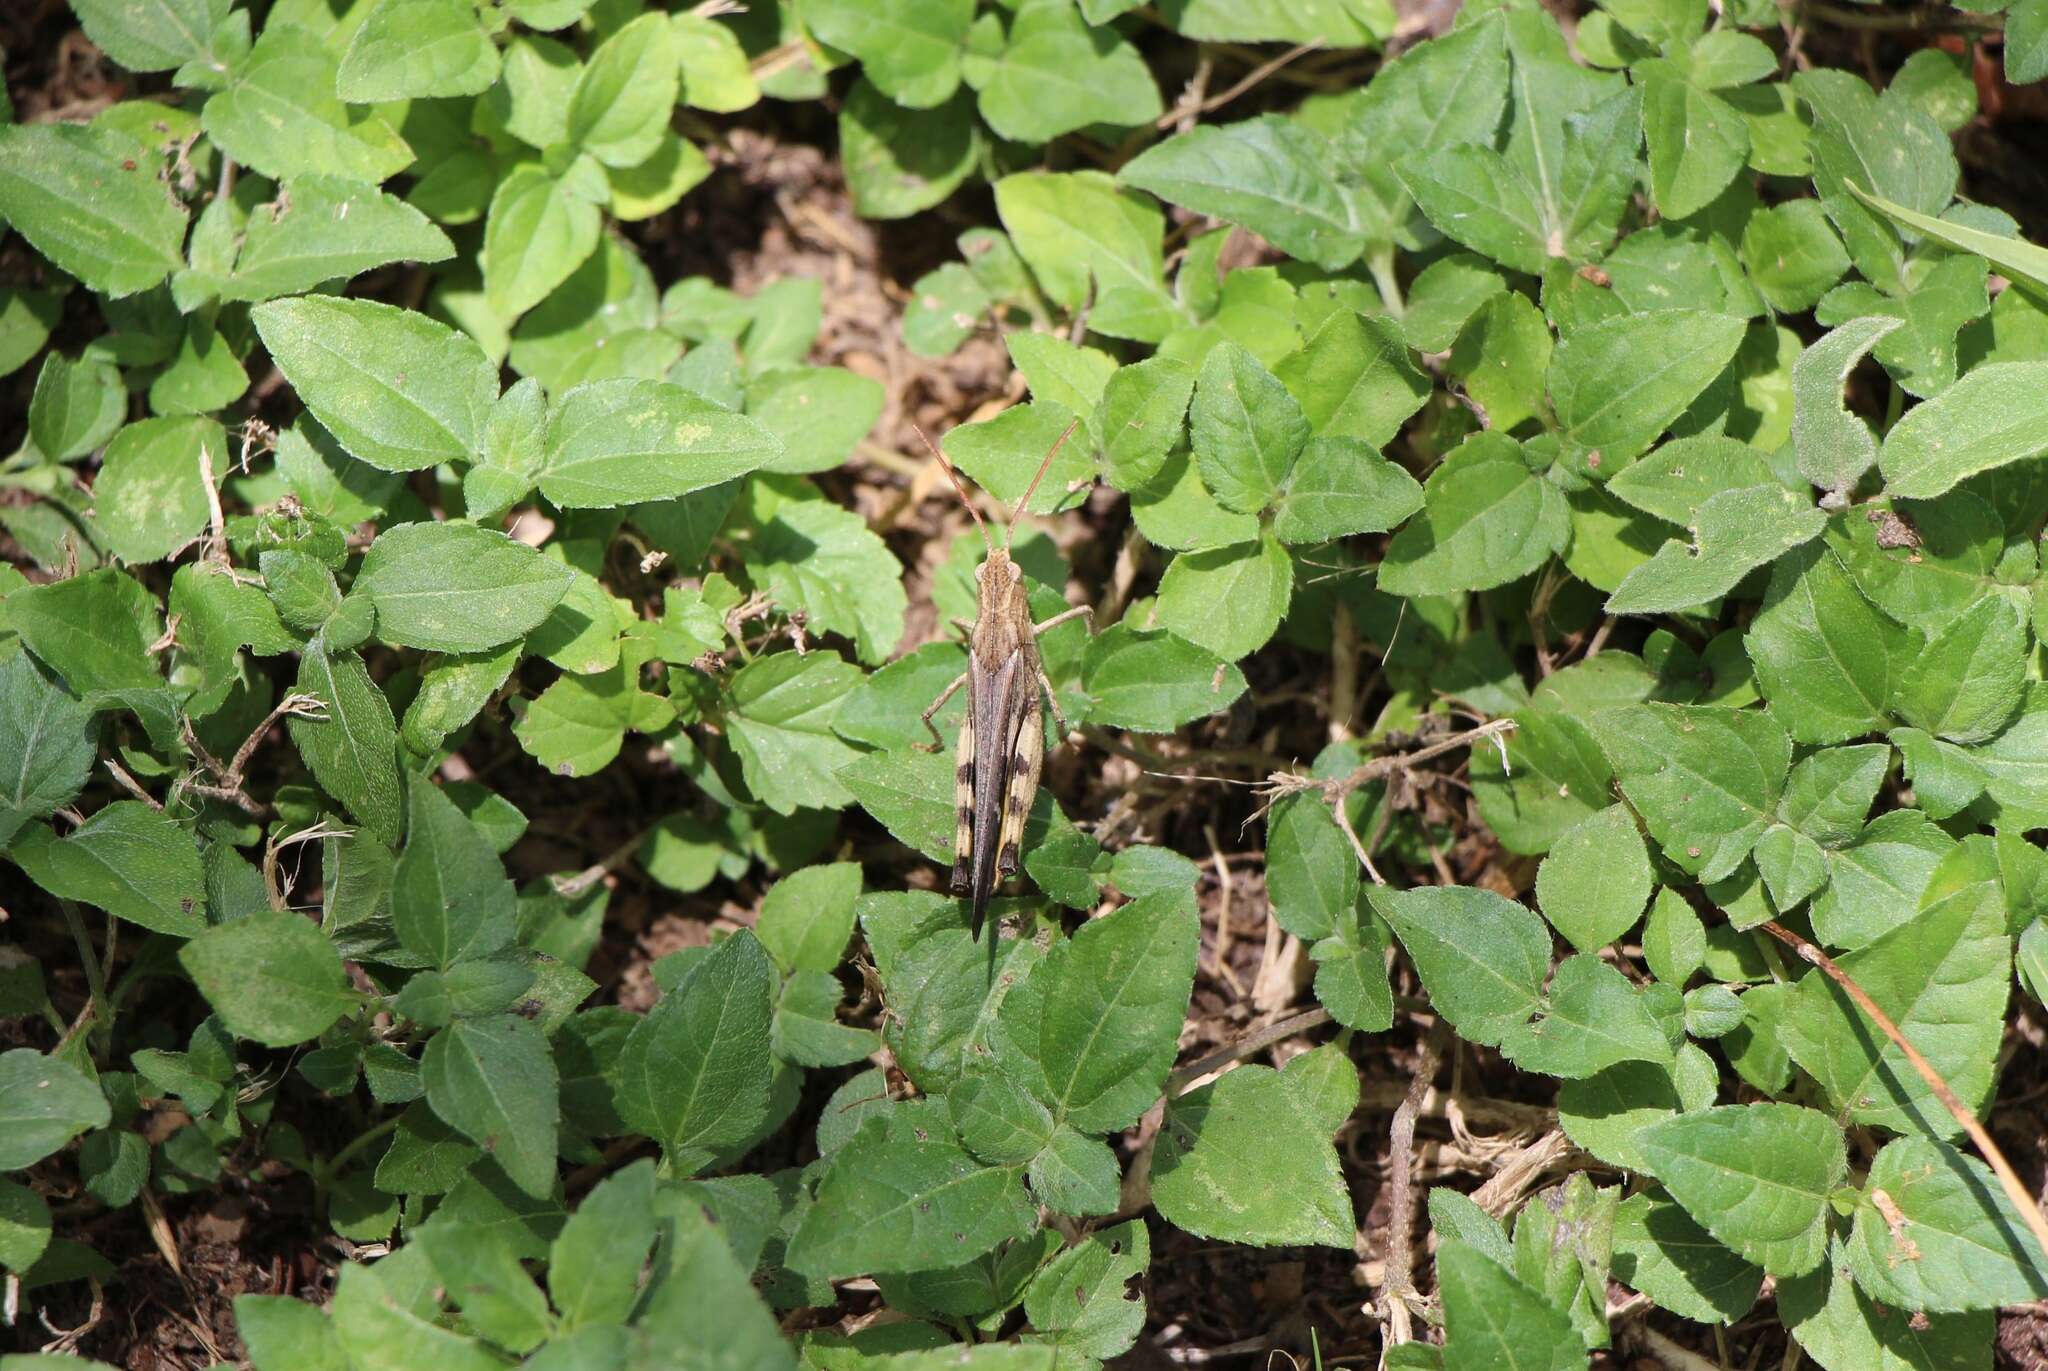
2015,1189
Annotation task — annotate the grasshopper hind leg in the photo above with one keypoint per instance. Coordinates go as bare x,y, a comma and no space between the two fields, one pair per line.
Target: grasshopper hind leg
963,806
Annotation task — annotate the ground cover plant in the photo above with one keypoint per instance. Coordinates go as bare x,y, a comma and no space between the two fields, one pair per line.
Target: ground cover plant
1536,863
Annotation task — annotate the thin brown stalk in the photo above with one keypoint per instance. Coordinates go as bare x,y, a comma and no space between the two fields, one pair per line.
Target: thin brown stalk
1400,1262
1244,1047
2015,1189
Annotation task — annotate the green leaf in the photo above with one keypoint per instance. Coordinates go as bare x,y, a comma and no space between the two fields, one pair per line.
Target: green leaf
1935,1231
1076,228
1270,175
594,1262
1251,21
1246,430
703,1310
408,49
1887,146
1354,378
716,74
493,1080
1834,446
1476,198
76,407
1592,1018
1454,1217
1697,141
1076,1174
1340,487
1793,255
625,442
454,587
1969,681
1705,779
1153,682
934,977
807,916
48,742
998,1121
1093,1030
133,861
450,900
1595,882
1057,75
151,498
156,36
1989,418
1922,355
2015,258
818,414
1843,1329
272,977
902,1195
909,49
352,747
1487,519
694,1074
1660,1251
1229,600
1482,957
484,1279
1248,1159
780,724
282,116
396,389
1942,978
807,1029
83,198
380,1330
45,1102
1680,476
1082,1301
1492,1320
1502,360
280,1331
622,102
1734,533
1827,658
2026,43
539,231
1619,383
1312,877
1755,1176
824,560
93,630
325,228
1139,418
1875,880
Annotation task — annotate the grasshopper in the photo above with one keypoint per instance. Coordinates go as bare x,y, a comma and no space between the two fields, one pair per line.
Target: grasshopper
1002,742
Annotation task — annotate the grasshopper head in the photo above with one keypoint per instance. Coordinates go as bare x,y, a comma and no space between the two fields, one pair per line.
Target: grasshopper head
998,575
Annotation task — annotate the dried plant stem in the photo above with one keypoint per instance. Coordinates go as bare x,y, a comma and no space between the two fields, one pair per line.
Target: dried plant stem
1282,783
2015,1189
1400,1260
1244,1047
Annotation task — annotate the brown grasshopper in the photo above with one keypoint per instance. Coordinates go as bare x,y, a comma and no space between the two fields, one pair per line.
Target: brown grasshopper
1002,741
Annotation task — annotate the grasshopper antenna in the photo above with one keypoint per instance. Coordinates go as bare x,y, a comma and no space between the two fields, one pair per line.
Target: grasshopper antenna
1032,489
965,498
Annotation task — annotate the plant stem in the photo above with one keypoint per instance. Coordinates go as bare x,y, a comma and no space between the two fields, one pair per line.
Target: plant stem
2015,1189
95,980
1381,264
1180,1080
367,1138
